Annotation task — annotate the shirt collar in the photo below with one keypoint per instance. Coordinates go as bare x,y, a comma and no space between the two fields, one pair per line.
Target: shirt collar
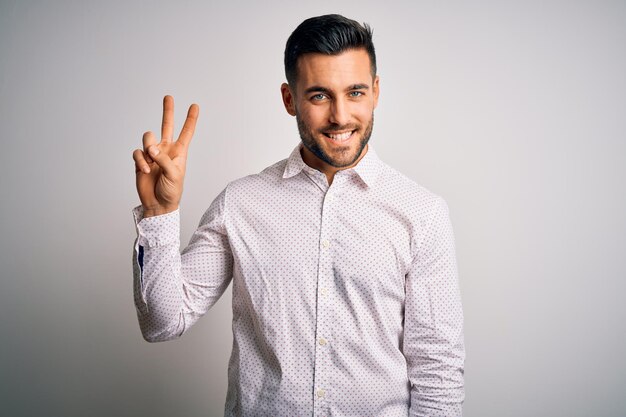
367,169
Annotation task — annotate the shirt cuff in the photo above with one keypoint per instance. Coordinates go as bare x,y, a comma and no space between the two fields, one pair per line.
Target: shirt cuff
157,230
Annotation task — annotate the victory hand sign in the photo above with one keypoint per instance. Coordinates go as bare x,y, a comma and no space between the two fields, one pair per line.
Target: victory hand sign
160,168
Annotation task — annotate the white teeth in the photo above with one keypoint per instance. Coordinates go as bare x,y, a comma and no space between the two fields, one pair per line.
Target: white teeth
340,137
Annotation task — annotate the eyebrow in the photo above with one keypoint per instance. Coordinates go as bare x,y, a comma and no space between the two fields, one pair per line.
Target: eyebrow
320,89
359,87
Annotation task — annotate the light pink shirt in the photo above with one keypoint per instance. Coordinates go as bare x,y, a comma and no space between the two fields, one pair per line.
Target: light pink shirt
346,299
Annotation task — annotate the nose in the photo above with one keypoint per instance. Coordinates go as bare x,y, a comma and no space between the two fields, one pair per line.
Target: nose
339,112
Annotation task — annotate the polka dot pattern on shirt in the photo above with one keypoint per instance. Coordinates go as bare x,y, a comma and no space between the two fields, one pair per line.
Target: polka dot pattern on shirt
345,297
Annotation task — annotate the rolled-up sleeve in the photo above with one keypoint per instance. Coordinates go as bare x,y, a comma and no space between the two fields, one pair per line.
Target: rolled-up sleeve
433,328
173,290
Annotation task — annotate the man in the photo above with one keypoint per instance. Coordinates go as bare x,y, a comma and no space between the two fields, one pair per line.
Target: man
345,291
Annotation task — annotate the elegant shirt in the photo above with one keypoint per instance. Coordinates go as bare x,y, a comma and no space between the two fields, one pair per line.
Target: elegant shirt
346,298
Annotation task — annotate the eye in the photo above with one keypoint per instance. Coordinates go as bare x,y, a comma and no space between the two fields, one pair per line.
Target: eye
356,93
318,97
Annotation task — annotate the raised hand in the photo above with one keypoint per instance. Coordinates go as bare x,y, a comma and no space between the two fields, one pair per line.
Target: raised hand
160,168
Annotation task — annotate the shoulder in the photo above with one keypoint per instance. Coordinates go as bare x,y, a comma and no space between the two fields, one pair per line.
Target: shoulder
260,183
425,211
408,193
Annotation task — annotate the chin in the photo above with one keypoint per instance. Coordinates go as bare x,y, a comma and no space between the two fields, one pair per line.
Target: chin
344,156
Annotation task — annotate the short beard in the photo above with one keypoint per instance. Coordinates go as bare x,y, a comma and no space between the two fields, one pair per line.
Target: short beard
308,140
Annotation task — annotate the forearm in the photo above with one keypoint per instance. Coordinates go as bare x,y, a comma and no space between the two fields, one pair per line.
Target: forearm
158,211
437,379
158,283
173,290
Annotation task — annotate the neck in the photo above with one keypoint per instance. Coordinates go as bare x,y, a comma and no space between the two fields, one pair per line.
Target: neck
314,162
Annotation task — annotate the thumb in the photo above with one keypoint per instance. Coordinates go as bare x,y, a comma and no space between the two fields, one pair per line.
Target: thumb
163,161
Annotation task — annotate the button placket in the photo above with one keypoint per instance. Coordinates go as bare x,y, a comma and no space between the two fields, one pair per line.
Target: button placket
324,307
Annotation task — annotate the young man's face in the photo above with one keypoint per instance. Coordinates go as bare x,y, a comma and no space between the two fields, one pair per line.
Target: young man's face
333,100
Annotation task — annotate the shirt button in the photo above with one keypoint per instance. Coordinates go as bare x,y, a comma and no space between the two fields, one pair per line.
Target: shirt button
321,393
322,341
329,198
325,243
324,291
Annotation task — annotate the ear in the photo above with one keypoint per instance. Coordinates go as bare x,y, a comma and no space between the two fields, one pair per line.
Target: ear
376,90
288,99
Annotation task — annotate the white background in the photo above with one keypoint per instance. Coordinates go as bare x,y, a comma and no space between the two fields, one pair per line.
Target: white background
514,112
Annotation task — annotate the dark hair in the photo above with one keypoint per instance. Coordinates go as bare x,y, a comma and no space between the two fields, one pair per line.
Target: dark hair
330,34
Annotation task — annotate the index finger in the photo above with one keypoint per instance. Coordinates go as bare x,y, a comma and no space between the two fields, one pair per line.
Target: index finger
167,125
190,125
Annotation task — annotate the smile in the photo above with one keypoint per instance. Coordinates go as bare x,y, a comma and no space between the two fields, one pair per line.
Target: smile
340,137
